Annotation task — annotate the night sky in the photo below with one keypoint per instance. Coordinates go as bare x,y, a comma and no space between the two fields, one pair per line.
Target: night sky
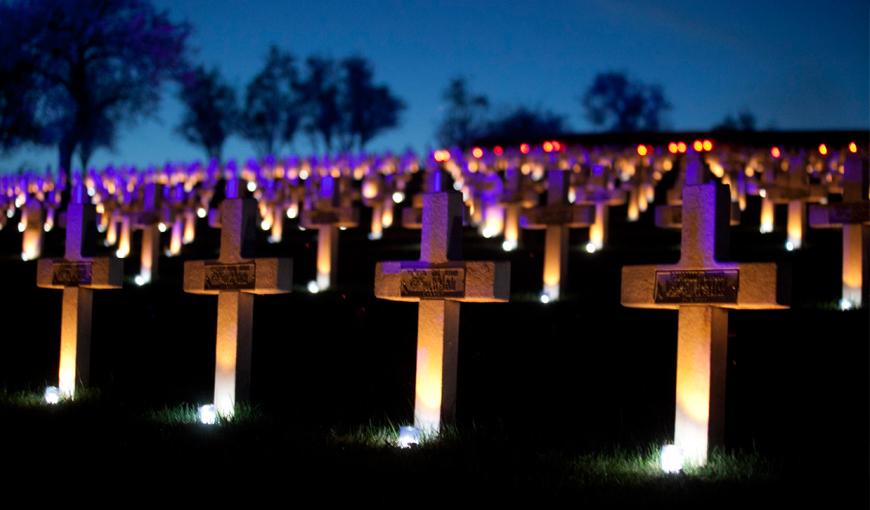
795,65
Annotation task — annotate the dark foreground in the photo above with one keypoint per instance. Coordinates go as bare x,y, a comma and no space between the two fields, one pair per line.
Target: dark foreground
547,393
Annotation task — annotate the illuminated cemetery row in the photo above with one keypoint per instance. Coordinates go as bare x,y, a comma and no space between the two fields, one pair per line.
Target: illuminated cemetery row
497,192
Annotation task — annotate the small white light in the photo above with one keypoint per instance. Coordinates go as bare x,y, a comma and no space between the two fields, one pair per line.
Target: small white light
789,246
292,212
374,236
509,245
10,212
313,287
762,193
19,201
91,192
398,197
47,227
671,459
207,414
101,228
252,186
140,280
300,227
161,227
121,254
545,298
201,212
265,224
25,257
572,196
846,304
52,395
408,437
457,186
303,174
342,228
21,227
590,247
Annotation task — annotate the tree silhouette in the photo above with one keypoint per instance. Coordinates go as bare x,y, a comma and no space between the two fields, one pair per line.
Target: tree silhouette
523,123
617,103
272,111
367,109
95,63
19,97
745,121
210,111
319,96
463,115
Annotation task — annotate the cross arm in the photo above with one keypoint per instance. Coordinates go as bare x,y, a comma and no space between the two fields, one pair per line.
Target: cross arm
255,276
561,215
479,282
757,286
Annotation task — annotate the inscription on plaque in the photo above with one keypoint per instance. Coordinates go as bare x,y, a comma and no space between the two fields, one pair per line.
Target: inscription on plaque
433,283
697,286
71,274
553,215
850,213
322,217
230,276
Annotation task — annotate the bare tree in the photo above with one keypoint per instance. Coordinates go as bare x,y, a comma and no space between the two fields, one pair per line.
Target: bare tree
367,109
272,111
319,96
463,115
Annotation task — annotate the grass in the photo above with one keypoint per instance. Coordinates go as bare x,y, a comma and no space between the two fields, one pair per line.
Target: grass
36,398
187,414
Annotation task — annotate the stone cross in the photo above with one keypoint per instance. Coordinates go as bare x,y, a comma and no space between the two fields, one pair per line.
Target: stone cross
77,275
438,282
853,216
327,215
235,277
599,193
702,287
557,217
517,195
792,188
148,220
32,217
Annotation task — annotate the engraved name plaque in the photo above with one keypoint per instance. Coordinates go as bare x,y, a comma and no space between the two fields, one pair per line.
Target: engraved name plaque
230,276
433,283
697,286
322,217
71,274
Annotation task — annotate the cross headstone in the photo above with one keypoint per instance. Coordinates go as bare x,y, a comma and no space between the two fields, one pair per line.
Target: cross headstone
77,275
852,214
235,278
327,215
517,195
32,217
702,287
601,194
557,217
148,220
438,282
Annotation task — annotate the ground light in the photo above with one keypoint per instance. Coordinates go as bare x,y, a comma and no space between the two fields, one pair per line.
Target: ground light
545,298
201,212
846,304
509,245
671,459
52,395
789,246
313,287
140,280
207,414
408,437
590,247
398,197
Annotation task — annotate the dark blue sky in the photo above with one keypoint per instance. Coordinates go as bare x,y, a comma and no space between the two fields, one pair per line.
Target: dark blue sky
795,64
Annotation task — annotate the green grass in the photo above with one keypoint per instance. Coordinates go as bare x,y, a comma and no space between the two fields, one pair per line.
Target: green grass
186,414
35,398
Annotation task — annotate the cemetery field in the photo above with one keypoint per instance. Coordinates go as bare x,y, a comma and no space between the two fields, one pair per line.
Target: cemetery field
567,399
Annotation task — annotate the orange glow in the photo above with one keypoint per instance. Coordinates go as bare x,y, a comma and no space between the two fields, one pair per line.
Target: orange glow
477,152
548,147
672,148
823,149
442,156
497,150
708,145
853,147
775,152
853,256
795,224
642,150
681,147
698,146
557,146
524,148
